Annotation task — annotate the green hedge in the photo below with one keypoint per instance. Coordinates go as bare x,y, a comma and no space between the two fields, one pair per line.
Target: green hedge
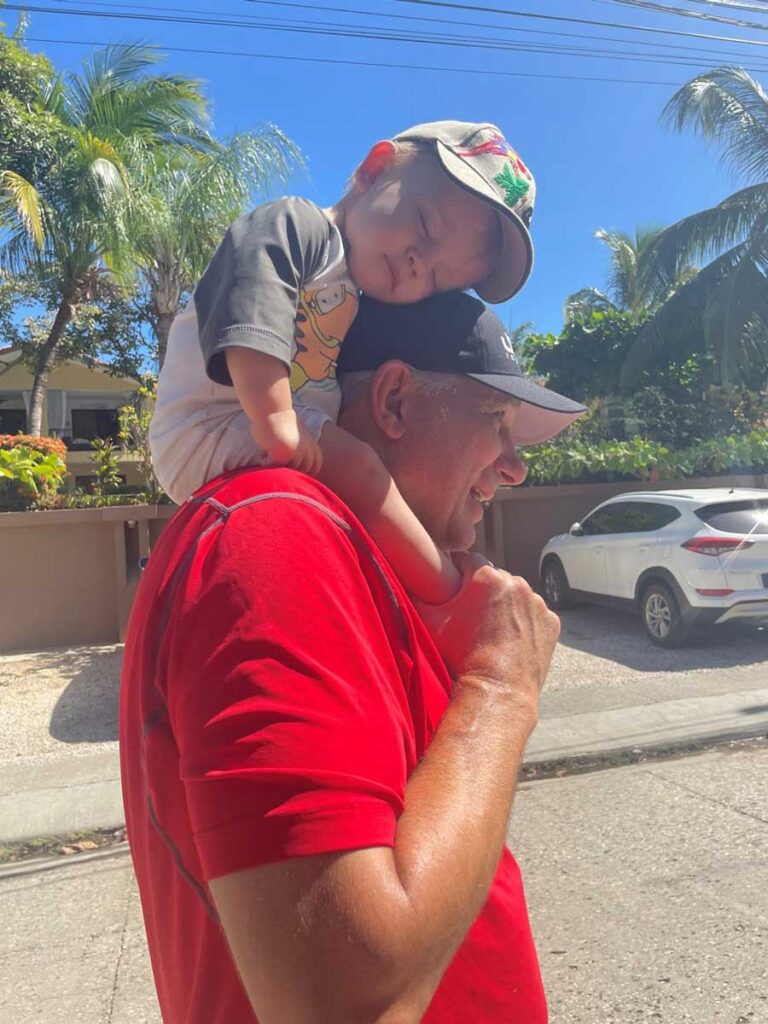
574,461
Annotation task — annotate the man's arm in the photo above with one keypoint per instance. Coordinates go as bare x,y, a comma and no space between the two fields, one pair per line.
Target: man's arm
366,936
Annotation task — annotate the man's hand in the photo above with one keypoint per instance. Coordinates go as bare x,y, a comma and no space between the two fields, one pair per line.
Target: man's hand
287,441
496,631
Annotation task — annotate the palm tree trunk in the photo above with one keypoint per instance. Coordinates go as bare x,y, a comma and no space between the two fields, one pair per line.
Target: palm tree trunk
162,330
45,363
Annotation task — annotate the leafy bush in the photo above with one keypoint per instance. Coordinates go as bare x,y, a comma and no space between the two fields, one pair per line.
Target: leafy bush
106,466
27,474
569,460
46,445
584,360
134,437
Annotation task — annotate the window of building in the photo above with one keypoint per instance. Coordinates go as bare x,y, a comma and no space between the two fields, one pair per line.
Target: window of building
13,421
88,424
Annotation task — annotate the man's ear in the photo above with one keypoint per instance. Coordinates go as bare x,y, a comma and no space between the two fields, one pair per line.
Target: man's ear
392,390
379,159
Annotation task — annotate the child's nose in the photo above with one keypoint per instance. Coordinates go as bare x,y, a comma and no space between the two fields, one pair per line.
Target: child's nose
415,263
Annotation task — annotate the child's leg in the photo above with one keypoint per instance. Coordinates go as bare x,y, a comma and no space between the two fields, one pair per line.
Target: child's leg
354,471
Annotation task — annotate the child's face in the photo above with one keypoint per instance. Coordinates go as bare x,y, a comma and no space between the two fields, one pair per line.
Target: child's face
410,231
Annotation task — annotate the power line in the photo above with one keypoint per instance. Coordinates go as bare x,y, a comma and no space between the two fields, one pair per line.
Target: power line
452,5
241,23
682,12
340,31
371,64
475,24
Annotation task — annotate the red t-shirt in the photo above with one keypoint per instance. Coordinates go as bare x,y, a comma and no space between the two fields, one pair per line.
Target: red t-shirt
278,690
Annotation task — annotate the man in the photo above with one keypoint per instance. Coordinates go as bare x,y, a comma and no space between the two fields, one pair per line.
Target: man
316,808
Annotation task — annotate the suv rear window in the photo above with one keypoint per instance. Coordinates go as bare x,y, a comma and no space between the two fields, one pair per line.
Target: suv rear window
750,516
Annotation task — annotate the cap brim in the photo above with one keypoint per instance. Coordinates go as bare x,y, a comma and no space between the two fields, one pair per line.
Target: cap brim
543,414
515,262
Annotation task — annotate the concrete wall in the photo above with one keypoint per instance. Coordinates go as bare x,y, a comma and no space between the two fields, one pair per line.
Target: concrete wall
522,519
68,577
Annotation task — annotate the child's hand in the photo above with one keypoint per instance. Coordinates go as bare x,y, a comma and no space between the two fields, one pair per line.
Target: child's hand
287,441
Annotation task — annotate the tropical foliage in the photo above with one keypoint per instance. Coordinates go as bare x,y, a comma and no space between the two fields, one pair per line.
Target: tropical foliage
570,460
26,474
113,196
636,283
724,308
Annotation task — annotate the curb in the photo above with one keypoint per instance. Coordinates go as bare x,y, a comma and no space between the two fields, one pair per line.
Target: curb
575,743
34,865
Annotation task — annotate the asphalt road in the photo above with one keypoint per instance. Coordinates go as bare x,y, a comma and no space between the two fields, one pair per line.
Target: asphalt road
604,660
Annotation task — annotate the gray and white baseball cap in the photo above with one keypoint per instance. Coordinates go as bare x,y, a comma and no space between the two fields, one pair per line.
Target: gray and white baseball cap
479,158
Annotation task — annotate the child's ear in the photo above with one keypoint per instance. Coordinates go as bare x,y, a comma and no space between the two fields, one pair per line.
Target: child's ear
379,159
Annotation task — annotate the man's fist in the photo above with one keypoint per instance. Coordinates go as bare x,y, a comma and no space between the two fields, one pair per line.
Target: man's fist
496,630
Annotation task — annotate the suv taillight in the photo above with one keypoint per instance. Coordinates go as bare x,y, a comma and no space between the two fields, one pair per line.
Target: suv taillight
716,545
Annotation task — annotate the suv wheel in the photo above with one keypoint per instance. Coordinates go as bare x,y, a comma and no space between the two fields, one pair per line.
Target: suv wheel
554,585
661,616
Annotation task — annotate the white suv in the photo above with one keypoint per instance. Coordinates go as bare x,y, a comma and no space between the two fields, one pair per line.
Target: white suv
679,558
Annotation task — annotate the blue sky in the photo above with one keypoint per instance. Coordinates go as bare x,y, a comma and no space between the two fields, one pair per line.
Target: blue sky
599,153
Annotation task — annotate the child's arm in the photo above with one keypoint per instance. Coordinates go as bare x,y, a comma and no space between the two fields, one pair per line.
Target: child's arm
263,389
354,471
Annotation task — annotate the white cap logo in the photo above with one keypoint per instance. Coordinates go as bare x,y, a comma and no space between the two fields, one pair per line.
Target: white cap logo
506,342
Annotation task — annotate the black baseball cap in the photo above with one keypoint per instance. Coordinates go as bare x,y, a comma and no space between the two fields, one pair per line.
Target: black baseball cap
455,333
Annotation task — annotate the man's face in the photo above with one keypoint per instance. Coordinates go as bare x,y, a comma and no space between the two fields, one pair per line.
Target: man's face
457,450
412,232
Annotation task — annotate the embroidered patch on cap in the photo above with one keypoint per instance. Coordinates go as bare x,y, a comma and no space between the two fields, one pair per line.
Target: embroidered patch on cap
514,188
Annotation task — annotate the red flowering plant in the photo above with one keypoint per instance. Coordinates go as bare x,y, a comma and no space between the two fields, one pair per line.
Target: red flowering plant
46,445
31,468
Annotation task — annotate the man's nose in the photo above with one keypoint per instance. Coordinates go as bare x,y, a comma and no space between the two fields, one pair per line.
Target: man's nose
510,468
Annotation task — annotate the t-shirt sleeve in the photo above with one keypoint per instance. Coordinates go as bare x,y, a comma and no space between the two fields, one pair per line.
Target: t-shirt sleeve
287,694
249,292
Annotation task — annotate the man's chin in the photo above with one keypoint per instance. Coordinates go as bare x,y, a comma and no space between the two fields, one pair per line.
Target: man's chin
460,539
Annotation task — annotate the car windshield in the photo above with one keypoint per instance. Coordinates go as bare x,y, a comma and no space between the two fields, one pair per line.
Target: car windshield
747,516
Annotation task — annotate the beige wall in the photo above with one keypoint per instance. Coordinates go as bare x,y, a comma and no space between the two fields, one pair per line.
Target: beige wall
522,519
69,576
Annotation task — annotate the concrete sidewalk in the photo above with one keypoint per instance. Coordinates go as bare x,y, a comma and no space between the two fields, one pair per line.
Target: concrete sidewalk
61,787
646,886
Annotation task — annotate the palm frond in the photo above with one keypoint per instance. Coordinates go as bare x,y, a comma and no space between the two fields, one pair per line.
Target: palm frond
707,233
585,302
730,108
20,199
735,318
676,329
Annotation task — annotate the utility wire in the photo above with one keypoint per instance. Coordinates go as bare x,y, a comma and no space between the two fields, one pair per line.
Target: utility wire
705,53
658,8
475,24
369,64
383,34
241,23
453,5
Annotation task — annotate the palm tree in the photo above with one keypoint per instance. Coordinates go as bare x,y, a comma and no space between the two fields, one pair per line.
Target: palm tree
726,304
187,202
72,225
636,282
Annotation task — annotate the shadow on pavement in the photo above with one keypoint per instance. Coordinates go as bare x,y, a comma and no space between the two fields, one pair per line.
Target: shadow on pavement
86,711
619,637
